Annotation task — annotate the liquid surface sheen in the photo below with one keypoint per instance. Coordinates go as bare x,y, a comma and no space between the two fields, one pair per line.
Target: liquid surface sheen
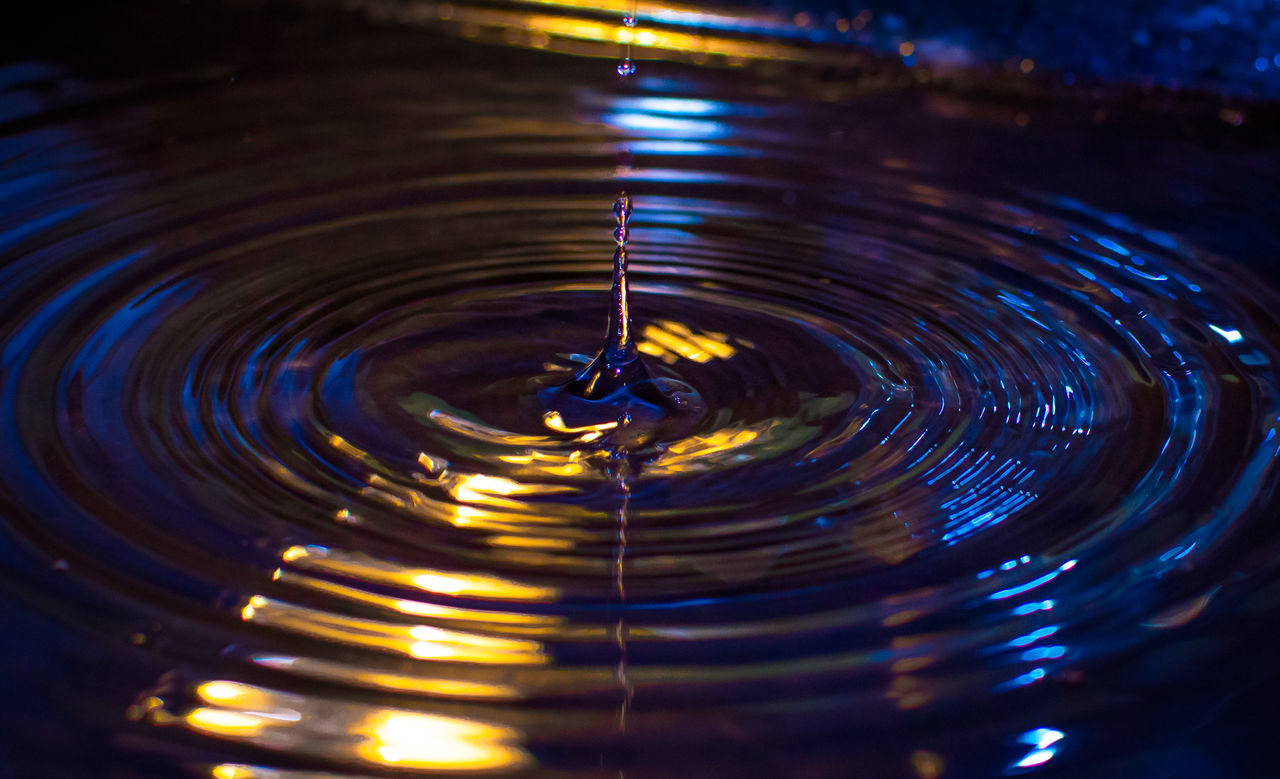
957,455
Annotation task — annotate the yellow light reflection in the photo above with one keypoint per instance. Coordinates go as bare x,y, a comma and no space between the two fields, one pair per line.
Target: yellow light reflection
327,670
418,641
670,341
501,514
342,730
222,722
531,542
604,32
687,13
370,569
416,740
456,614
554,421
484,489
699,452
232,695
590,28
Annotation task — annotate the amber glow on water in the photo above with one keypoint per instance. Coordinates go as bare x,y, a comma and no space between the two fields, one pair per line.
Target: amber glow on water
365,568
348,732
659,31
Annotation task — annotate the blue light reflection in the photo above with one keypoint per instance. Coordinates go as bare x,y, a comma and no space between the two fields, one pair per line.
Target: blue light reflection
666,126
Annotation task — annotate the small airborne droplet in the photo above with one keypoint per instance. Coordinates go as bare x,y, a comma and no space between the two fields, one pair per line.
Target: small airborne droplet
627,67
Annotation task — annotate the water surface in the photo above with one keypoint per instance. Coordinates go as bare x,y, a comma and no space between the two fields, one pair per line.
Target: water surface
981,478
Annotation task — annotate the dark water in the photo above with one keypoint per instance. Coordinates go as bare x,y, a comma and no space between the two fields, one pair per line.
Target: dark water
979,477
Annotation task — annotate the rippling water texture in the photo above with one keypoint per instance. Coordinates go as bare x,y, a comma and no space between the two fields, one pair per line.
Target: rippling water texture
984,482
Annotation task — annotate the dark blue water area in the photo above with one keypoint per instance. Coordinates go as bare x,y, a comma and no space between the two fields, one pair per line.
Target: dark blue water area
96,601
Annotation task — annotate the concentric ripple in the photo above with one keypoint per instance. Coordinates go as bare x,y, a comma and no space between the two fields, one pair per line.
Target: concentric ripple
274,385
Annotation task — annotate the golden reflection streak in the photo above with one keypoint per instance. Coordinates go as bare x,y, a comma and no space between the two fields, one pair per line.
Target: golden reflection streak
424,642
541,462
531,542
654,39
416,740
354,452
587,433
456,424
509,623
232,694
582,29
517,516
597,38
330,671
220,722
417,608
370,569
692,453
669,341
652,11
493,490
343,730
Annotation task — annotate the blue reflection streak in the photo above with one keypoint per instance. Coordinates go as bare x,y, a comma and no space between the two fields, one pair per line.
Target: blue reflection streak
677,105
679,148
110,336
1232,336
13,235
1034,583
1033,607
1112,245
1030,677
1041,738
672,218
666,126
39,322
1037,757
1034,636
1043,653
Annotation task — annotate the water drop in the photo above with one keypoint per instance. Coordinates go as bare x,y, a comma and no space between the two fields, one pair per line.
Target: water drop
618,384
627,67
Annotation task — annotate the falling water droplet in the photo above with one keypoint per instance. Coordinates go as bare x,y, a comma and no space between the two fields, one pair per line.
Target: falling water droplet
627,66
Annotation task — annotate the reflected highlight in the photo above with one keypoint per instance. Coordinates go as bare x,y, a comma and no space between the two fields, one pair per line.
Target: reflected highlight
344,731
